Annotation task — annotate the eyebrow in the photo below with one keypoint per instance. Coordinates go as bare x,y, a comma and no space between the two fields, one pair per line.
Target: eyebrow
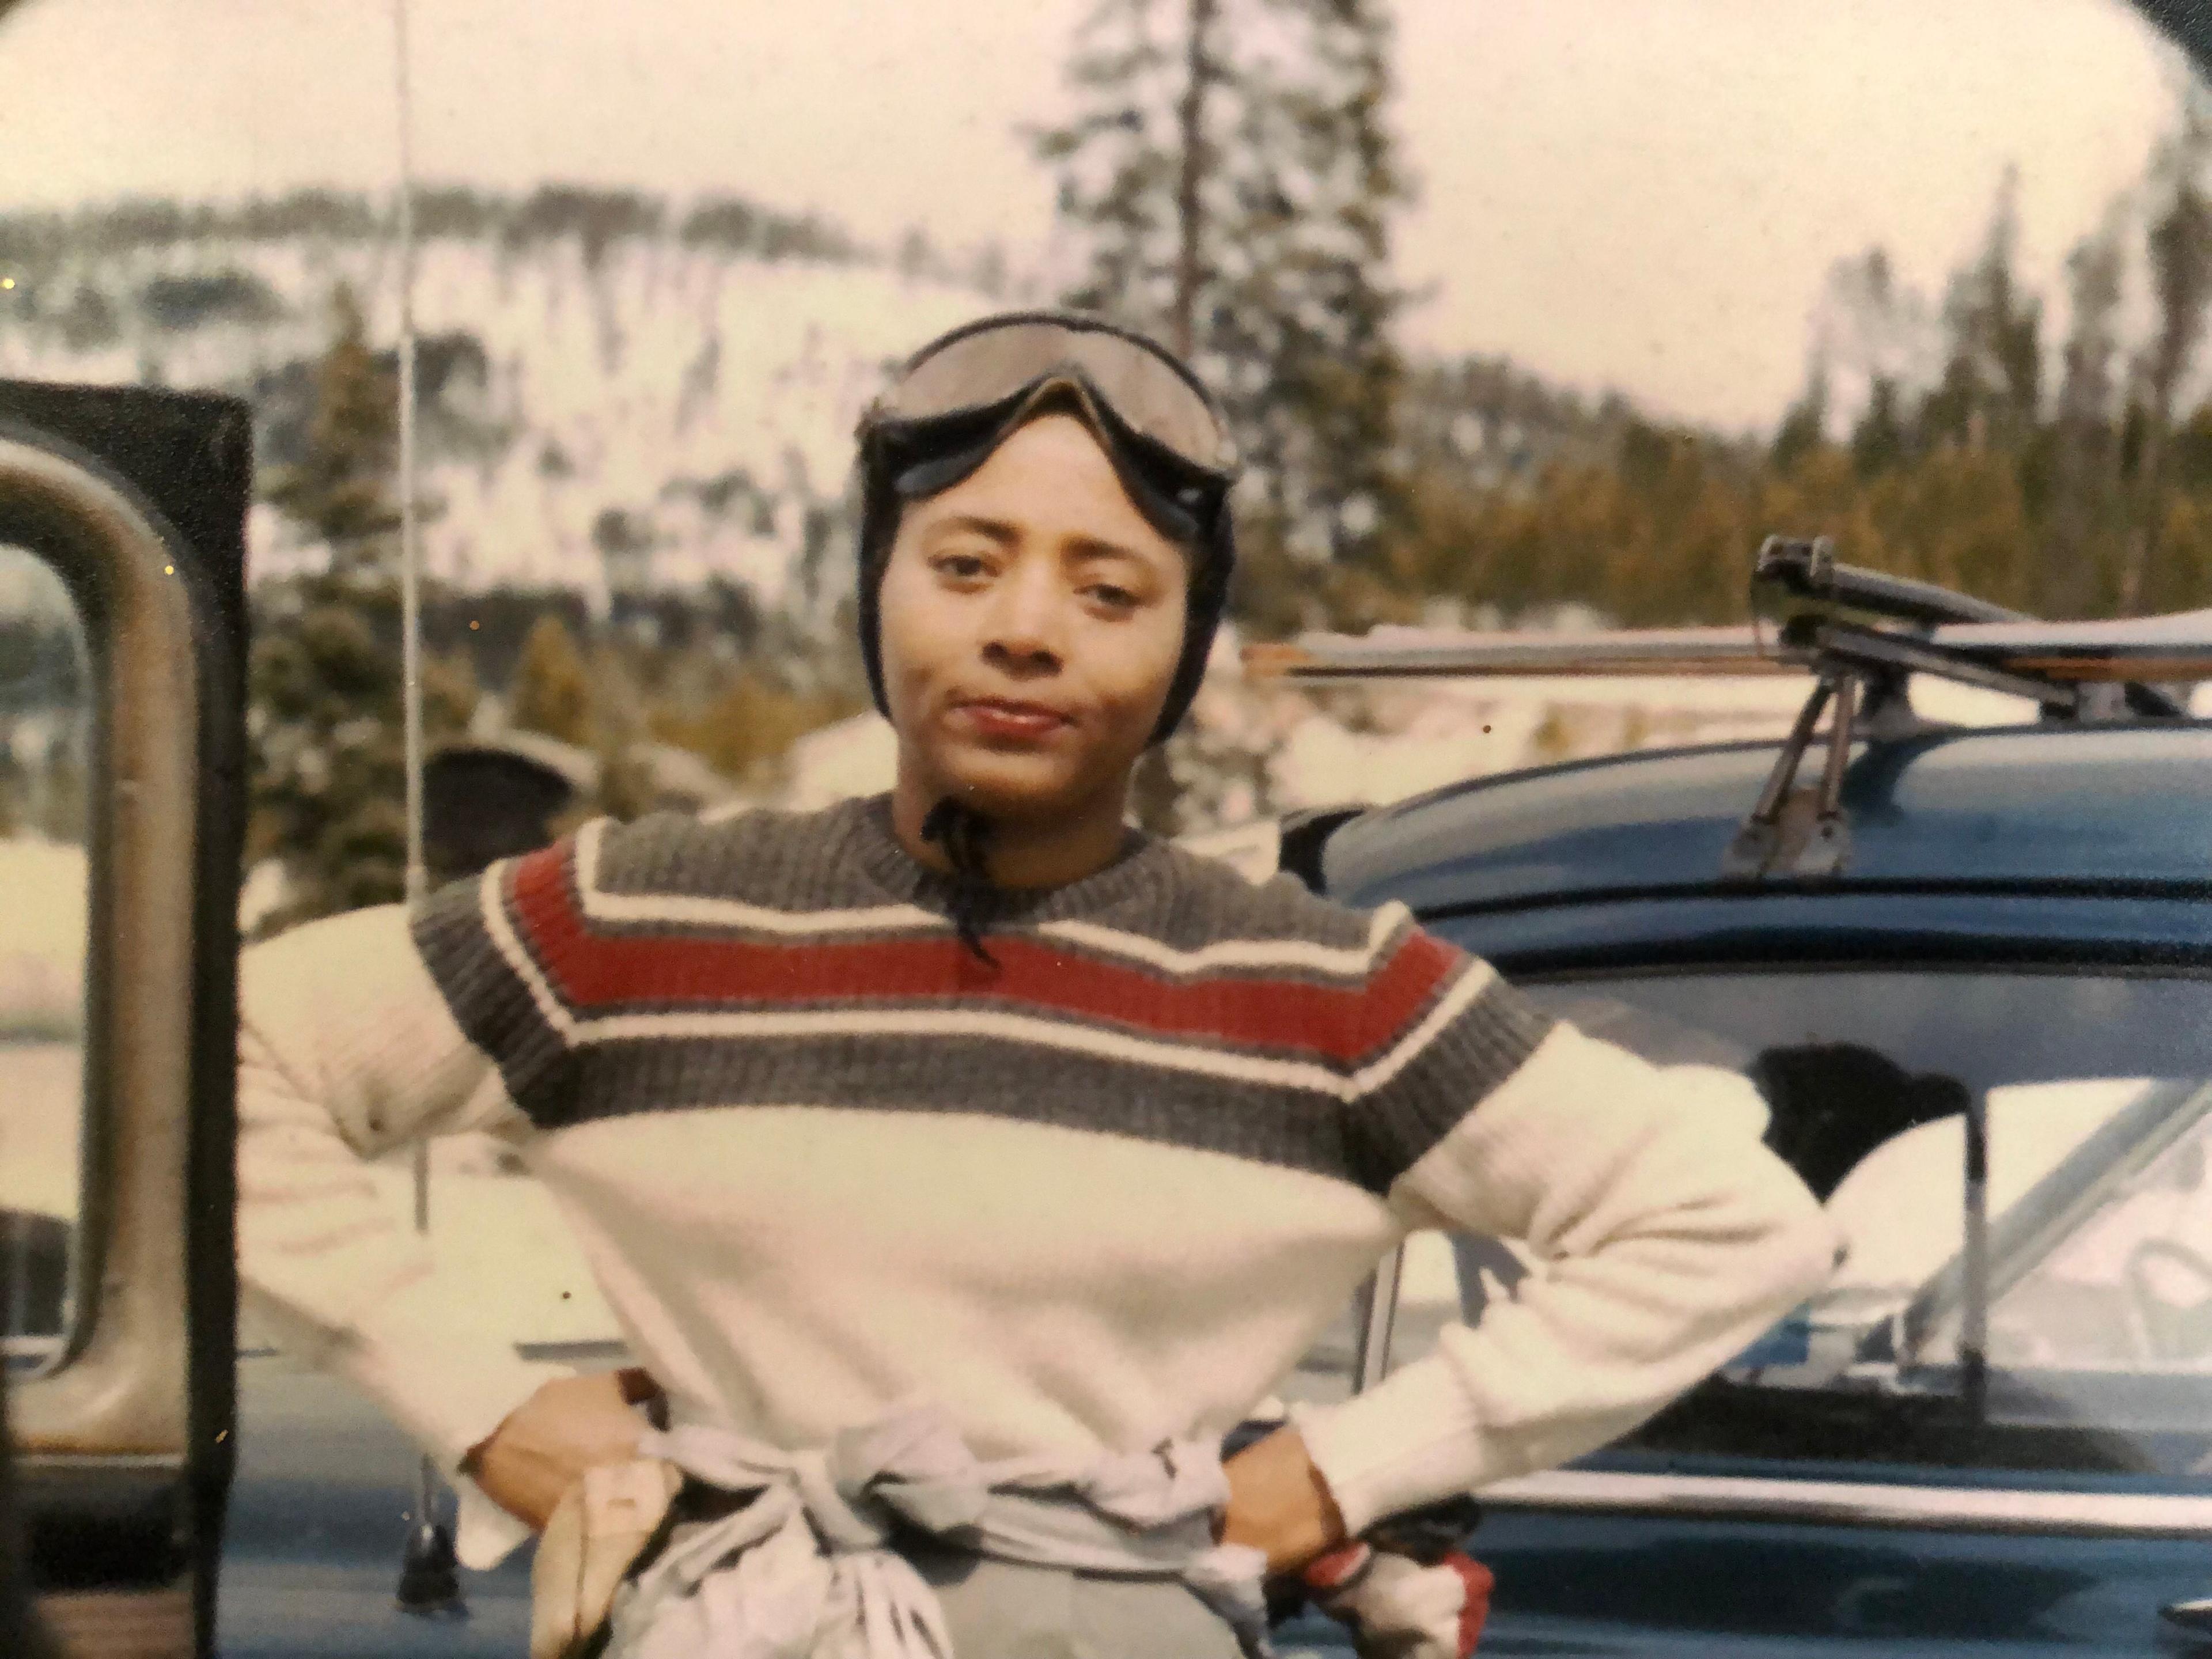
998,530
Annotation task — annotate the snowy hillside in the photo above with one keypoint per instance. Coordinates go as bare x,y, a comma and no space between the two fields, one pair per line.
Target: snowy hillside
614,394
656,405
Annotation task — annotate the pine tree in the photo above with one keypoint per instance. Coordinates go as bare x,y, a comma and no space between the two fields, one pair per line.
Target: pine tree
1804,425
2179,247
1123,160
1230,175
1878,441
1991,389
327,782
341,490
2086,461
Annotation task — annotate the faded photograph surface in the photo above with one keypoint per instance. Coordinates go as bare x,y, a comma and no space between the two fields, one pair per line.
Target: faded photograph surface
1581,883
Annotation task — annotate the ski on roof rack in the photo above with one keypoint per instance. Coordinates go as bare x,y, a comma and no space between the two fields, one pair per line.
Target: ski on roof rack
1815,613
1860,634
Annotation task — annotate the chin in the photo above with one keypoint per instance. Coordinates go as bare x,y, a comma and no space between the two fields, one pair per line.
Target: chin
1017,787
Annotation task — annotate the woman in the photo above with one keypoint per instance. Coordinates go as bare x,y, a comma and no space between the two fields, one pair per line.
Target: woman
1006,1152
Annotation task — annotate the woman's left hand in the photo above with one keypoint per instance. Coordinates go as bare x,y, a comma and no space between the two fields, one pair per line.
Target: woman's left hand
543,1448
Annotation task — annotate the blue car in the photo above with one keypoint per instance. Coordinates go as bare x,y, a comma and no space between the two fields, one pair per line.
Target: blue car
1985,1033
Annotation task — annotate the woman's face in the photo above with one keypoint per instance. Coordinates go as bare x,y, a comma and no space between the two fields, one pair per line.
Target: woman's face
1031,621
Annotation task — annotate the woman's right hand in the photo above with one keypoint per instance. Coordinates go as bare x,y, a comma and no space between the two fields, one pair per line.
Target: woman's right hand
542,1449
1279,1504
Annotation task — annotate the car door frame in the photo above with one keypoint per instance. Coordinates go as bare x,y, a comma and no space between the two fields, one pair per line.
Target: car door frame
124,1439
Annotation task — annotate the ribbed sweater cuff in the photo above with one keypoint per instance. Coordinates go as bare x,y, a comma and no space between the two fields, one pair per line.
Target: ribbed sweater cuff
1411,1440
448,1385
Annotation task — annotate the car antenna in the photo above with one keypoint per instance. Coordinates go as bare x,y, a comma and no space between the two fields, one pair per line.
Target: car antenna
430,1577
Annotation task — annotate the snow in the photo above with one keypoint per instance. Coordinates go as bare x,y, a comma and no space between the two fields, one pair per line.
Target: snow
261,895
704,402
641,383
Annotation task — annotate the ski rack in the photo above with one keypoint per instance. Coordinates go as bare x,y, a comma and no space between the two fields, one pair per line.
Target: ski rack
1860,634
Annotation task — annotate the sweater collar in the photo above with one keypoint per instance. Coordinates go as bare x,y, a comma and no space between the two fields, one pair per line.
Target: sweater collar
872,841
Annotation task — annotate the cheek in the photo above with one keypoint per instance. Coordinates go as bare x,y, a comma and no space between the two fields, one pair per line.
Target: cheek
909,632
1139,663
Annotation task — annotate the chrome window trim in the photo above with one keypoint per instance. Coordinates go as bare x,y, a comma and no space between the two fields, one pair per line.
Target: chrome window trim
1899,1506
120,1385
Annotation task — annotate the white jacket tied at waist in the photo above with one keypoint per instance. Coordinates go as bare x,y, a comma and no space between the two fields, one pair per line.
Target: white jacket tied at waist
807,1569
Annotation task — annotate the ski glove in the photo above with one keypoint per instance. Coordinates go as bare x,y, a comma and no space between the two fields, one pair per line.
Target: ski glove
1396,1607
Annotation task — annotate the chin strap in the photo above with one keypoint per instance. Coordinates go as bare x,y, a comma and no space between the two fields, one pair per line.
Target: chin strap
961,832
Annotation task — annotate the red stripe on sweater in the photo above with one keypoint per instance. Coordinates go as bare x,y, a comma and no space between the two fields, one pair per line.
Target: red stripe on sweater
596,974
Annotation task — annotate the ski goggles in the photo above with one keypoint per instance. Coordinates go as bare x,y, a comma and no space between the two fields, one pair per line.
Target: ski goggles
996,365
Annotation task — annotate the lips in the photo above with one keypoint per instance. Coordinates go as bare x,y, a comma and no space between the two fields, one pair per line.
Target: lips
1003,717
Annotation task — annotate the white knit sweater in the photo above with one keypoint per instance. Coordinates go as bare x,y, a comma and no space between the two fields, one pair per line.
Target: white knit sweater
1103,1195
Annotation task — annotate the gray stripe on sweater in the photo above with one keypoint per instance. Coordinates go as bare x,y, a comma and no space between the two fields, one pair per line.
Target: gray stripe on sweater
833,860
1390,1131
975,1076
488,1000
1369,1142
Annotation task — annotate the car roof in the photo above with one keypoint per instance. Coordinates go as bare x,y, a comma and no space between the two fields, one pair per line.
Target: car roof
2089,807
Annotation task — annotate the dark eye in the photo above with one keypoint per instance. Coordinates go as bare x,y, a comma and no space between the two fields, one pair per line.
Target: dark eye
1115,598
961,567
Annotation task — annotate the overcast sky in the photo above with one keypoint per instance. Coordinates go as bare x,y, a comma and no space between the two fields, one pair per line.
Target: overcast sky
1638,193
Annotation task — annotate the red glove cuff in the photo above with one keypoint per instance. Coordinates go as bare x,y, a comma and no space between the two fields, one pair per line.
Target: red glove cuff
1339,1568
1475,1610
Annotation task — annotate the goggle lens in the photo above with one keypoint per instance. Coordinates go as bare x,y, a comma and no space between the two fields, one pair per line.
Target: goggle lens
974,371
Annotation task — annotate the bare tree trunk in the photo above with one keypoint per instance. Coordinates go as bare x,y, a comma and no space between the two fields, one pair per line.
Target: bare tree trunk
2141,545
2180,246
2135,559
1188,209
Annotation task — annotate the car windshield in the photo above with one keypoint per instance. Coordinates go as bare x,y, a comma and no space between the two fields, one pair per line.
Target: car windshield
2055,1312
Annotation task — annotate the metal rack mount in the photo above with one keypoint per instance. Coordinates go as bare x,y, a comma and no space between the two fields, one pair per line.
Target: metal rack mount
1862,636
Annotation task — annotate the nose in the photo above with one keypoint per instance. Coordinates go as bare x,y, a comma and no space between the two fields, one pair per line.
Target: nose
1024,627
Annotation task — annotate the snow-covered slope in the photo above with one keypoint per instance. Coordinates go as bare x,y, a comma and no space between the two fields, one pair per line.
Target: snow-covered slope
647,408
659,408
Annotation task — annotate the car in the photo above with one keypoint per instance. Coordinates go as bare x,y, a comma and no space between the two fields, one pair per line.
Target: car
121,784
1981,1013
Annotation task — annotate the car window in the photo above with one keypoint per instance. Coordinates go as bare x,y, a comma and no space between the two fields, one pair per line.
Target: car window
2062,1320
2126,1286
44,730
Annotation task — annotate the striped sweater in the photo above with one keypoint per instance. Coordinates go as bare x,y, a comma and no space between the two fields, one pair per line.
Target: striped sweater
1100,1191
